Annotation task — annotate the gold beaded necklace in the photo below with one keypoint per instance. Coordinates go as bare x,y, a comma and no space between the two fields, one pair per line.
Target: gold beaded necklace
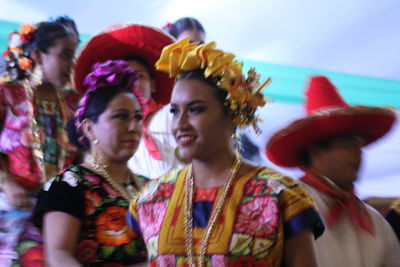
188,206
36,144
127,192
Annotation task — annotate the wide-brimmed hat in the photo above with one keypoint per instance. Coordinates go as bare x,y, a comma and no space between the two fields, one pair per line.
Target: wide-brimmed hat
328,116
124,41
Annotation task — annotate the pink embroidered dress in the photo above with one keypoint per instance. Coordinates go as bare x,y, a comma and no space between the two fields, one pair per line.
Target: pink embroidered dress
17,159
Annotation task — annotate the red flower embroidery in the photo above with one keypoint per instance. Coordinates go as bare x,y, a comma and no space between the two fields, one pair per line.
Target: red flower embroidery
112,229
206,194
254,187
258,217
87,251
165,190
33,257
92,200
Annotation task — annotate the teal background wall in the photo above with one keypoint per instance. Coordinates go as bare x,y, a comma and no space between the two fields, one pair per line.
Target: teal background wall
289,81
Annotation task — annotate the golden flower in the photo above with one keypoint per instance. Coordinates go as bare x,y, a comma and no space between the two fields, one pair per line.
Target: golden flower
244,95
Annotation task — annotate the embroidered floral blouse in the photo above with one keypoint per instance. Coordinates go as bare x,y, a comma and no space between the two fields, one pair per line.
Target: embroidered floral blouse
15,134
105,237
263,210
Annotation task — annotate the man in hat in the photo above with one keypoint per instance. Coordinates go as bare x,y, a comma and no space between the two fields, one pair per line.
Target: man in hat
141,47
327,145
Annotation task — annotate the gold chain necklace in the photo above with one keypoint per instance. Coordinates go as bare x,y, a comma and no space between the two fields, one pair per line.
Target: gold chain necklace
37,149
188,205
126,192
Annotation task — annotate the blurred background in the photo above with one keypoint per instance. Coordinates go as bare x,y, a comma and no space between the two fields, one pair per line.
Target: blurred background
355,43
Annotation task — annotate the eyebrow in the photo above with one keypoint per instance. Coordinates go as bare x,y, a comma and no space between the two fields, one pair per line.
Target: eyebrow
191,103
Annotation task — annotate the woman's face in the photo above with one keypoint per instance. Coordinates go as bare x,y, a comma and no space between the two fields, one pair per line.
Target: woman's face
200,126
118,129
194,35
146,83
57,62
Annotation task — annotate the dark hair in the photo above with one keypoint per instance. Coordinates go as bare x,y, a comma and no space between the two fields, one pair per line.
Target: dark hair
305,153
184,24
198,74
96,106
49,31
143,62
42,38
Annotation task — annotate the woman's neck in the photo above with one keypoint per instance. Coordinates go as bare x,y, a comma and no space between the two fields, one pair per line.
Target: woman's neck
118,171
212,172
46,91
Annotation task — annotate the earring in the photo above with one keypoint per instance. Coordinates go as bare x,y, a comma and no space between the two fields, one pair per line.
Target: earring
179,157
36,76
95,142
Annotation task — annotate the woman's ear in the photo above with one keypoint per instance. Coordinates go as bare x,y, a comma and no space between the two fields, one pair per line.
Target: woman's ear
87,127
36,55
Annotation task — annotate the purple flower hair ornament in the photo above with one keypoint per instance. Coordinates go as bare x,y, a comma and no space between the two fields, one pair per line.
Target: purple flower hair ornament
107,74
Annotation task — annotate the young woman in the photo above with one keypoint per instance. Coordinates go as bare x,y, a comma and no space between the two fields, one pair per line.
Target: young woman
187,27
220,210
34,109
83,208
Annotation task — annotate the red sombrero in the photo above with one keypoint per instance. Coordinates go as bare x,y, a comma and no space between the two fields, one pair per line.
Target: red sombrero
122,41
328,116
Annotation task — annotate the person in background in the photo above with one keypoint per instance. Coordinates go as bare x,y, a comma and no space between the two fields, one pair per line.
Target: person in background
140,46
220,210
187,27
327,145
393,217
34,109
82,209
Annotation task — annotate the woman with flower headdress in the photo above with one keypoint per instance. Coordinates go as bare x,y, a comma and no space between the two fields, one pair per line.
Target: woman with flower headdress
220,210
82,210
34,109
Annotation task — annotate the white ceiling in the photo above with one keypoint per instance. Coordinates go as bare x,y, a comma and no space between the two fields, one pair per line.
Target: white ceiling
351,36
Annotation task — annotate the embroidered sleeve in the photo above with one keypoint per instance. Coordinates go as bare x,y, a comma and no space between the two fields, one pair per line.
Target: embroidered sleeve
299,212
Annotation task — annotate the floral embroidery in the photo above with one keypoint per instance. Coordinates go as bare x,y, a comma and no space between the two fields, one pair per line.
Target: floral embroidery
219,260
92,200
112,229
241,244
166,260
258,217
165,190
151,215
206,194
33,257
110,190
87,250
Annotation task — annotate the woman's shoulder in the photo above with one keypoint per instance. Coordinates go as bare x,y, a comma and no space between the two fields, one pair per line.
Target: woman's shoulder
274,179
73,176
160,188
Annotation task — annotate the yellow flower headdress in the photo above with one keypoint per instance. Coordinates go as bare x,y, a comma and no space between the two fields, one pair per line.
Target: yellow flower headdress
244,94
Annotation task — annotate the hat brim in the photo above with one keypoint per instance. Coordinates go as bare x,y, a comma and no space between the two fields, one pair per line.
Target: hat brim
127,41
286,146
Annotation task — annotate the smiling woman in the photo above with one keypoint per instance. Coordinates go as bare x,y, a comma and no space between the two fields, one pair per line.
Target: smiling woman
231,212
